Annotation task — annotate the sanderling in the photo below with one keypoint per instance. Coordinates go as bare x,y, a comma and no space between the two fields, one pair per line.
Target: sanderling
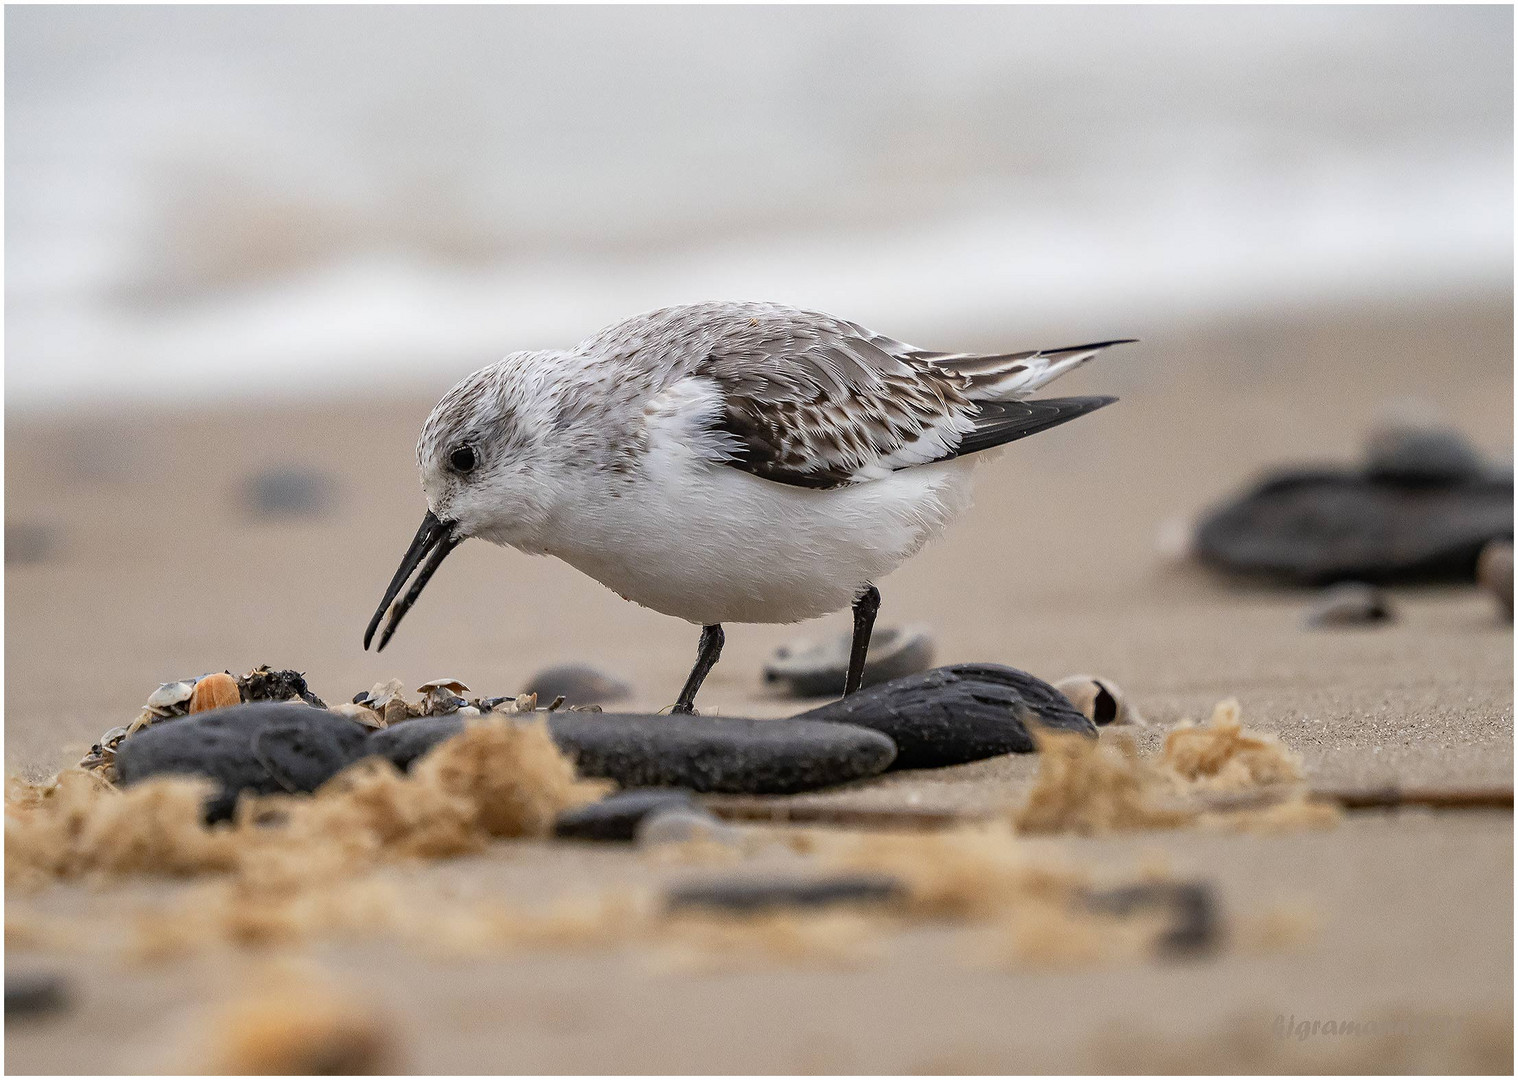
723,462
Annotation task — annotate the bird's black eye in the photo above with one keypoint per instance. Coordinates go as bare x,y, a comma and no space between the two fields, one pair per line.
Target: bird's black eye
462,459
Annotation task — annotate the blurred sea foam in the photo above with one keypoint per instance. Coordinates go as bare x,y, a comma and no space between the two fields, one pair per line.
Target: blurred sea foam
229,199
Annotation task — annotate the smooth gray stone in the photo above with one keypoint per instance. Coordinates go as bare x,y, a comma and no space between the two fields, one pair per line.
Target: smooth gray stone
294,493
1197,922
1321,526
820,670
1350,603
703,753
263,747
35,994
959,713
580,684
1422,455
616,817
750,894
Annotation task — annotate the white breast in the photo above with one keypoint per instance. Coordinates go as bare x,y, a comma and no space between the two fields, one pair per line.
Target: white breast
710,543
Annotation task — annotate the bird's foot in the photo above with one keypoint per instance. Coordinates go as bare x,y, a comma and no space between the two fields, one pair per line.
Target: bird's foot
681,709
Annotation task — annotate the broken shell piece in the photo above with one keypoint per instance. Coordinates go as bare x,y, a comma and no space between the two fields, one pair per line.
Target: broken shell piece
395,711
468,710
214,692
818,669
526,702
364,715
442,701
172,698
144,718
1100,699
457,687
381,694
1494,573
1350,603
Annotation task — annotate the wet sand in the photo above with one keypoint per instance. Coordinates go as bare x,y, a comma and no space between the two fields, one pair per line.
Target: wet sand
157,570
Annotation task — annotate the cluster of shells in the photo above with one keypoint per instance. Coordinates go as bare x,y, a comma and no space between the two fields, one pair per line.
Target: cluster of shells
383,705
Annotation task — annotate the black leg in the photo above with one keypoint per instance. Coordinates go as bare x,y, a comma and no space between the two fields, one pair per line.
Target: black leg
711,648
864,621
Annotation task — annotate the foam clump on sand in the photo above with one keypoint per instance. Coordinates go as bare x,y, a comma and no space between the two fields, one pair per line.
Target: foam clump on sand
1086,786
499,778
1222,756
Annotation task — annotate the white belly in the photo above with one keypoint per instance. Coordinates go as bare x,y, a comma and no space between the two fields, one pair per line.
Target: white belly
710,543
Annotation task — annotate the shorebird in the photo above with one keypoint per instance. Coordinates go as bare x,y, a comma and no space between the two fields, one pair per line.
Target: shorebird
724,462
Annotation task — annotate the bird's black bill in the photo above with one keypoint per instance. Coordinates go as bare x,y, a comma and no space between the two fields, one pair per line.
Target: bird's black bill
434,540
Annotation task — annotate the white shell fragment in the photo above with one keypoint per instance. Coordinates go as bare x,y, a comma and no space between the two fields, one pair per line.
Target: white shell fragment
680,825
172,698
454,685
1101,700
382,694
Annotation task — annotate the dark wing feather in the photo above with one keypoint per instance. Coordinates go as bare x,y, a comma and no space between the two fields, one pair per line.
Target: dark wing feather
1002,422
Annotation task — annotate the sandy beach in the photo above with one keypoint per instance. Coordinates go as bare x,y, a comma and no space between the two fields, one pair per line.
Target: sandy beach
151,566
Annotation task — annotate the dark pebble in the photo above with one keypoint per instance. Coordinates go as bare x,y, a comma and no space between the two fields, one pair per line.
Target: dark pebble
295,493
754,894
1321,526
28,542
1422,455
1494,573
35,995
1197,925
579,684
616,817
955,714
820,670
1350,603
701,753
262,747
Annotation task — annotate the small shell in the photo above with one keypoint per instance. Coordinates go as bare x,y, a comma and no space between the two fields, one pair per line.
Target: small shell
381,694
1101,700
144,719
171,699
457,687
366,716
395,711
441,701
469,710
215,692
526,702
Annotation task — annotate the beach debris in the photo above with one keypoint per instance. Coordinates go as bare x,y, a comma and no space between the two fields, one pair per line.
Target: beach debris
1099,700
172,698
1196,927
454,685
750,894
700,753
951,715
818,669
265,684
288,493
1494,573
361,713
1086,787
616,817
215,691
28,542
101,758
293,1031
684,825
261,747
1350,603
578,684
35,994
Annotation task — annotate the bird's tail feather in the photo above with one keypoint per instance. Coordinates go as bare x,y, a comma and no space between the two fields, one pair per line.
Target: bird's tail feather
1009,376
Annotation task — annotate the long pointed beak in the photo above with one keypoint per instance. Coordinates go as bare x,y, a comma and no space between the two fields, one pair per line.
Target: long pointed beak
434,540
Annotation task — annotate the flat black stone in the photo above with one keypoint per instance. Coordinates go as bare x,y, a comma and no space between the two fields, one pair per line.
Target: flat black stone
751,894
263,747
1321,526
616,817
963,712
822,670
701,753
30,995
1197,924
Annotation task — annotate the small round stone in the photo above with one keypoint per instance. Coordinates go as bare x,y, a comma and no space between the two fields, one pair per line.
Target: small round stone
1350,603
578,684
678,825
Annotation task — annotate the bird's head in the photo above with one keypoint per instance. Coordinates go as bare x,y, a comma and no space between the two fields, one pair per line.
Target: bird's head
482,456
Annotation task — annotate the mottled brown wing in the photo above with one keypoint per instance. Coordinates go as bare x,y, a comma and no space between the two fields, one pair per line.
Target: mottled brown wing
822,406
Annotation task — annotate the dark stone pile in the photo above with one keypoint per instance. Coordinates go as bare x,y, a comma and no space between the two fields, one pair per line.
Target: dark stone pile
941,717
